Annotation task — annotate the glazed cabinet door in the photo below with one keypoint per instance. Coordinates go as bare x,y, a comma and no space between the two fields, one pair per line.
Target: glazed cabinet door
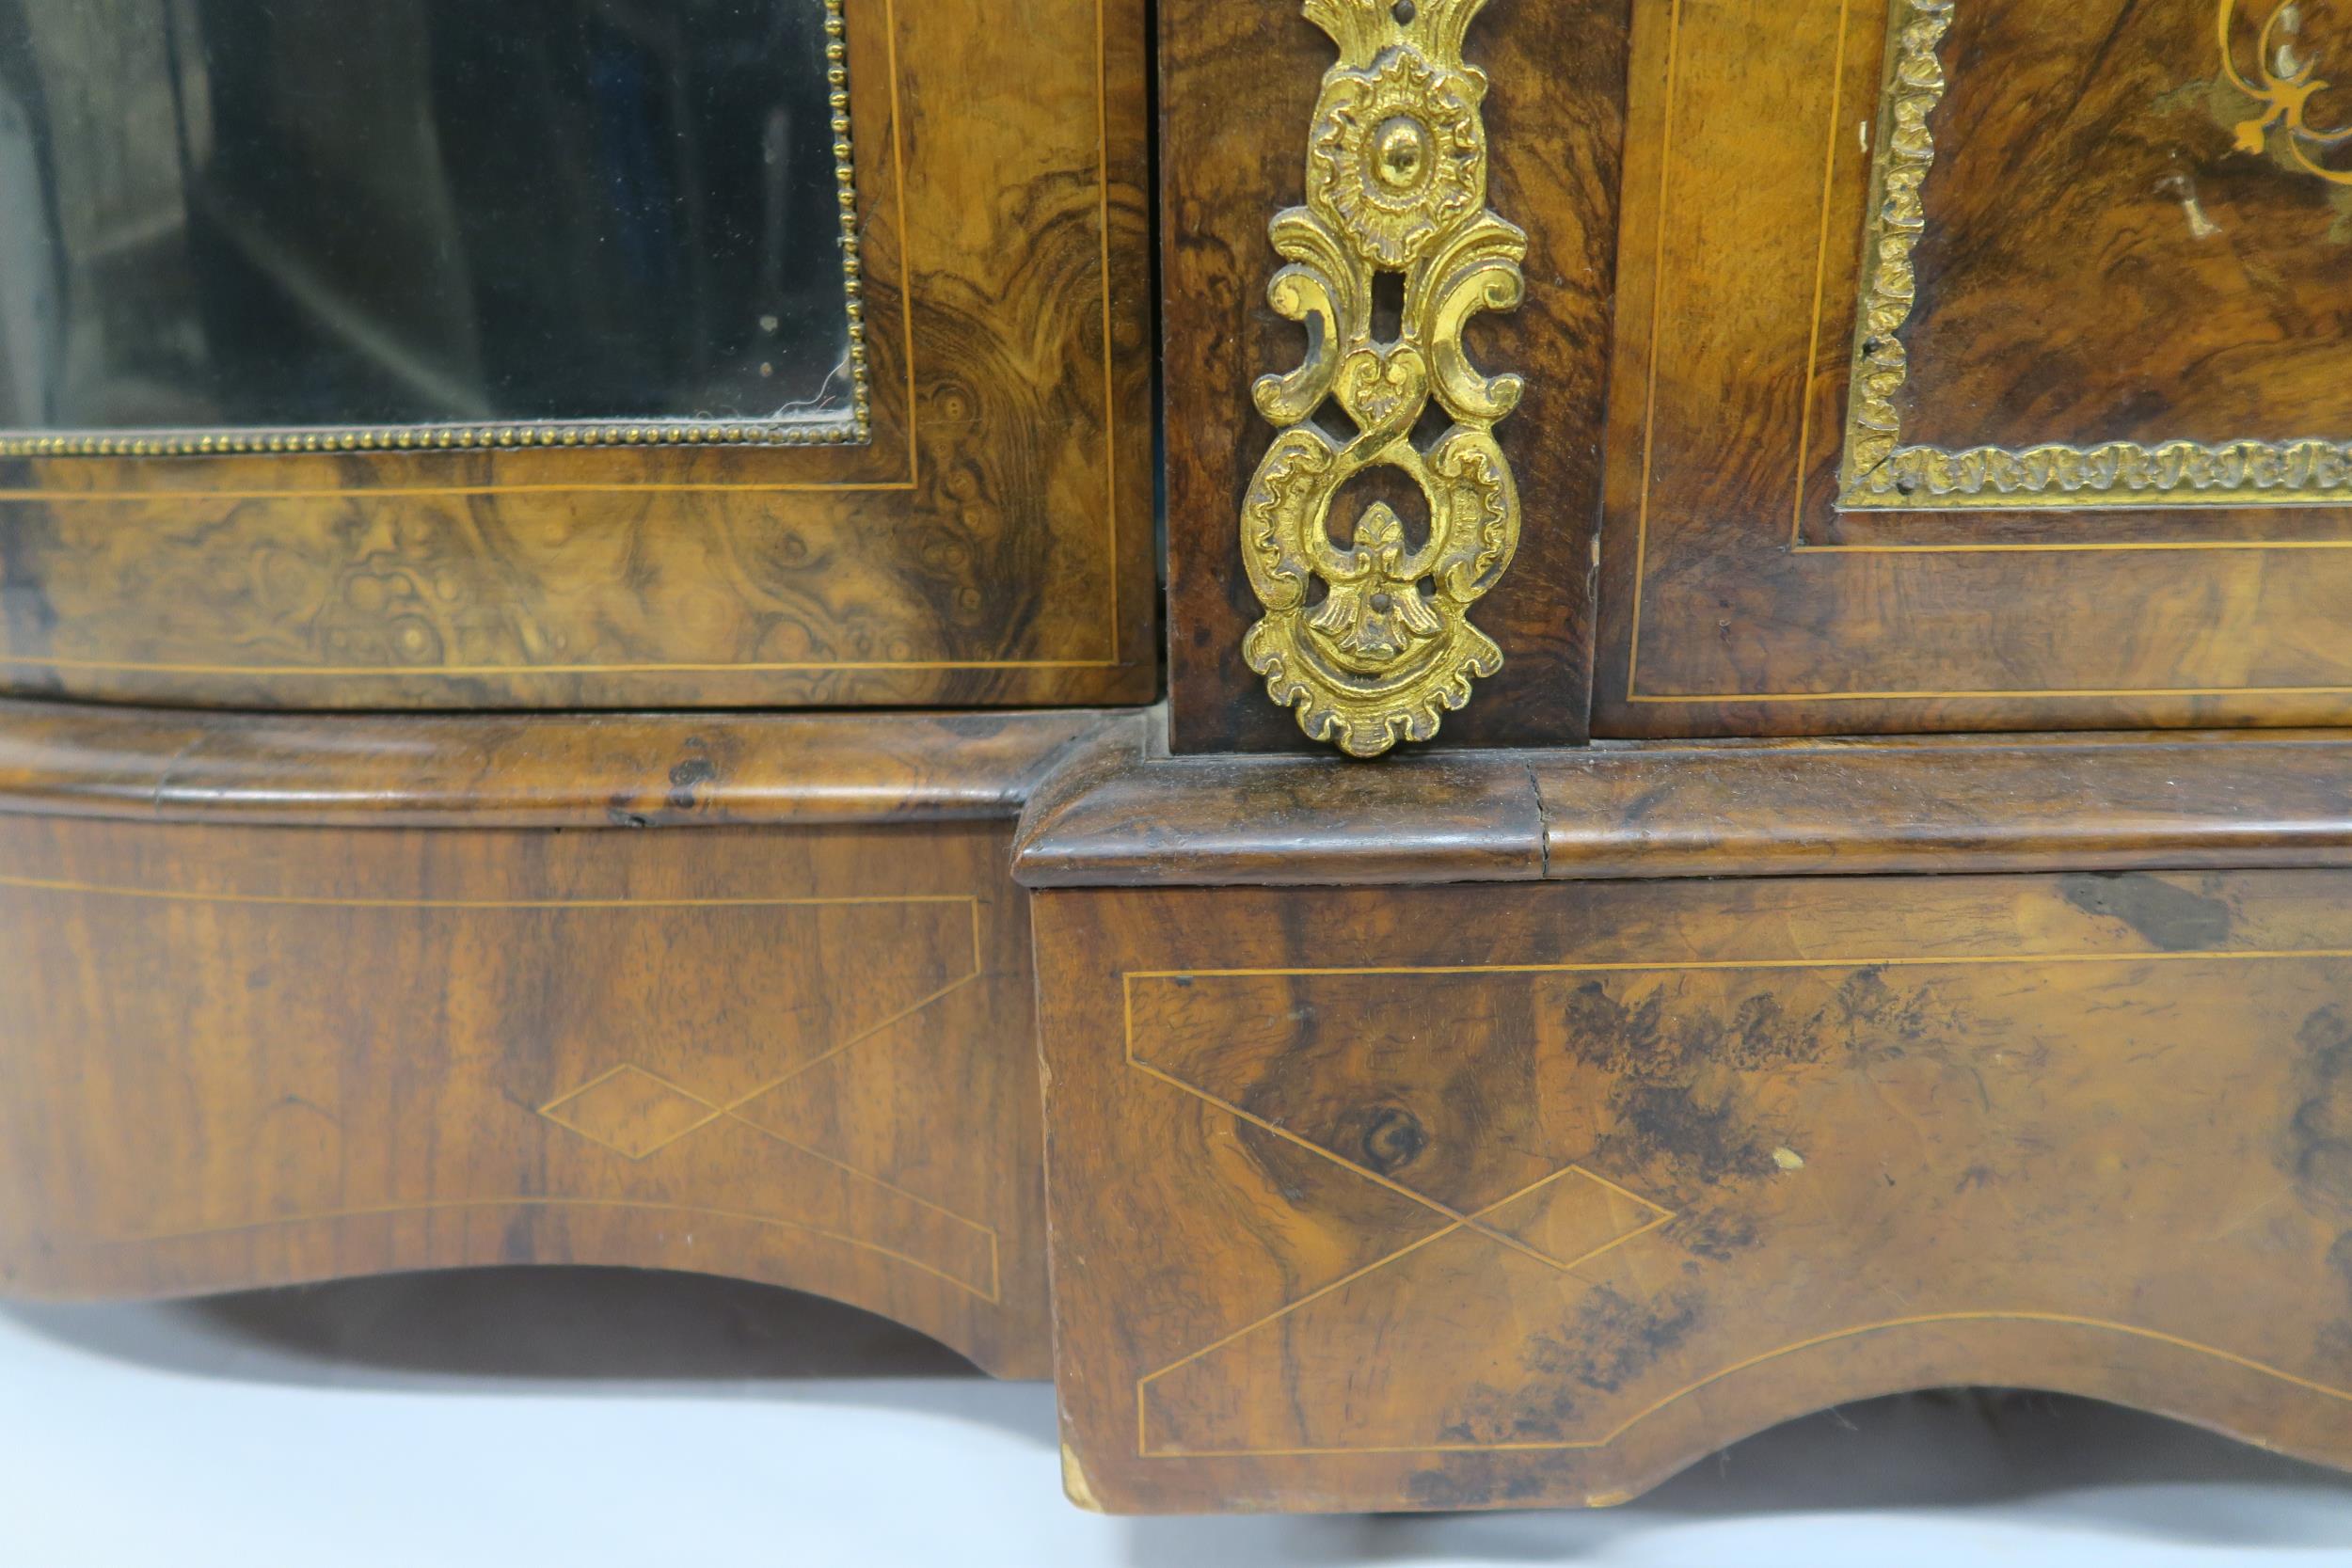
575,353
1980,364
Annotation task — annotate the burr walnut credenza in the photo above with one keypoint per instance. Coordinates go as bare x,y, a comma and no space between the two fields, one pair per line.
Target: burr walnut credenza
1451,746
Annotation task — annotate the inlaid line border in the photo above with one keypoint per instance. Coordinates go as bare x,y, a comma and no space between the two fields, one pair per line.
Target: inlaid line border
1610,1437
732,1109
1658,285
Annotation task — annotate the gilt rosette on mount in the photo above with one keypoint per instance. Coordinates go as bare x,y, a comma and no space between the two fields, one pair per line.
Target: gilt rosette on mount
1396,184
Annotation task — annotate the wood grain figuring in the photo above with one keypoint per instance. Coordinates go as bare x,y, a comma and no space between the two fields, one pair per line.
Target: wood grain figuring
1553,119
1117,813
992,545
1737,598
242,1056
1456,1198
2233,263
527,770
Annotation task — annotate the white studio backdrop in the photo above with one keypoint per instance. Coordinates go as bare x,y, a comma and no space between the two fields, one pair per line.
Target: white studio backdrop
592,1418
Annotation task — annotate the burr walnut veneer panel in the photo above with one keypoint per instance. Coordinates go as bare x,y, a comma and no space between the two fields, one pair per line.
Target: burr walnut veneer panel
719,995
1984,370
1445,1198
251,1056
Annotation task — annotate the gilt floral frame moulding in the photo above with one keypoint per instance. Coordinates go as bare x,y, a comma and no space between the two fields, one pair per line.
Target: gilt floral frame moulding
1880,471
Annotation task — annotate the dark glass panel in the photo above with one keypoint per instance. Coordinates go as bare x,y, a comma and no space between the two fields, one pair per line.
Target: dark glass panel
222,214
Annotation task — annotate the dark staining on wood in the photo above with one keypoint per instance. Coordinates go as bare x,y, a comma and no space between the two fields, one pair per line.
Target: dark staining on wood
689,776
1700,1132
1714,1234
1680,1065
2318,1140
2175,918
1473,1481
1516,1414
1612,1340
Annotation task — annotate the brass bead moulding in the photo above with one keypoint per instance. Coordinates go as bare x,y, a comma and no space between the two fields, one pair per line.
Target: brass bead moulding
855,427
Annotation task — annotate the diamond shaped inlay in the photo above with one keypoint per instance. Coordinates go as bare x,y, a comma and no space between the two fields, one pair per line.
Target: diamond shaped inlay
630,1111
1472,1097
1569,1217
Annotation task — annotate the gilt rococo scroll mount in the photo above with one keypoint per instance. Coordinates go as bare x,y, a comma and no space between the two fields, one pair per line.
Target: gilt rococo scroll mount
1396,185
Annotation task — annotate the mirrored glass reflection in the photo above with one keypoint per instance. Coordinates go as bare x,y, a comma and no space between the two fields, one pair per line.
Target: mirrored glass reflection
273,214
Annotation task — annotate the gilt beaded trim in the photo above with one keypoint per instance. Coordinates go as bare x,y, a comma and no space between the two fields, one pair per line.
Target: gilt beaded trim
856,428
